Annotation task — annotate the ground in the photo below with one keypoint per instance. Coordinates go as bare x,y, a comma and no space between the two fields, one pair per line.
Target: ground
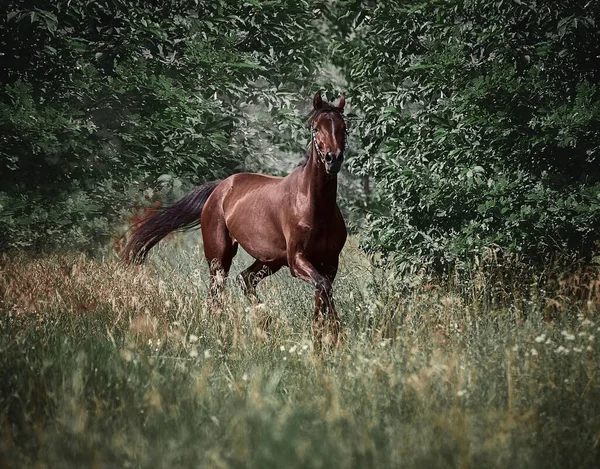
103,365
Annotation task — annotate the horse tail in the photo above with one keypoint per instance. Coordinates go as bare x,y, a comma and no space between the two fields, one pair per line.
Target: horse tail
182,215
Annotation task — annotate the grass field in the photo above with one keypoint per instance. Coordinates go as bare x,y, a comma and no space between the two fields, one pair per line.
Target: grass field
107,366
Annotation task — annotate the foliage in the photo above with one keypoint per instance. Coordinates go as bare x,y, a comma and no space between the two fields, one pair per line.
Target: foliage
476,123
103,102
127,368
481,126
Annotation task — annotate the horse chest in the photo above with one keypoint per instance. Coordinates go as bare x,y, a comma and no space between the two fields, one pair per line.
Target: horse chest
316,244
316,240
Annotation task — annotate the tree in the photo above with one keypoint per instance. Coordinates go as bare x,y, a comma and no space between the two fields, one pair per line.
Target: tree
100,101
482,125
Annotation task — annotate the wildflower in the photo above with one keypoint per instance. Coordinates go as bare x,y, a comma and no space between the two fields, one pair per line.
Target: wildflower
305,347
193,338
461,393
569,337
193,353
591,338
540,338
577,349
207,353
533,352
284,358
561,349
126,355
293,349
245,377
282,348
515,348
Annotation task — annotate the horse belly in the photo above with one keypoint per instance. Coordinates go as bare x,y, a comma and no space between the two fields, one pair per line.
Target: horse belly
257,231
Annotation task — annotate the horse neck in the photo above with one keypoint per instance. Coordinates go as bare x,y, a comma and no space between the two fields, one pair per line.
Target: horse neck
317,187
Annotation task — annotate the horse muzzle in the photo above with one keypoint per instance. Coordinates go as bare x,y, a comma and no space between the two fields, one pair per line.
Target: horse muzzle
333,162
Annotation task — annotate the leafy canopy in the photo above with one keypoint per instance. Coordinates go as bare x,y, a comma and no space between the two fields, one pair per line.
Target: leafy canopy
102,100
481,126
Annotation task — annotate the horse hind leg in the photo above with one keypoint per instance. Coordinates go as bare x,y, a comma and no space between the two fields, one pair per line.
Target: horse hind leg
218,279
219,252
250,277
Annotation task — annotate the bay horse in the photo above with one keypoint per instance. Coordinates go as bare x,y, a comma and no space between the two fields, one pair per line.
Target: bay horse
289,221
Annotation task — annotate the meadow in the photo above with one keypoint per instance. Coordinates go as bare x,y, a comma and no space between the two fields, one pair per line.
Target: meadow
103,365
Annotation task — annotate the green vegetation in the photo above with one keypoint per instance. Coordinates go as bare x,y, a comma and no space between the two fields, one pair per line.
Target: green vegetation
481,127
103,104
472,319
109,366
477,123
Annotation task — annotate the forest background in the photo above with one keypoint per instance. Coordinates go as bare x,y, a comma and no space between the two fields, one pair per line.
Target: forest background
474,125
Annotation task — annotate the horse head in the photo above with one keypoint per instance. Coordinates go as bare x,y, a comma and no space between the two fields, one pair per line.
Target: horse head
328,132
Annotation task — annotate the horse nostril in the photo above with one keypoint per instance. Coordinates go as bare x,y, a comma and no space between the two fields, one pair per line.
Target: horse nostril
328,157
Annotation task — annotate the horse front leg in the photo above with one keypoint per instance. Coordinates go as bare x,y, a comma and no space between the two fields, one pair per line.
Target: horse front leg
318,319
303,269
334,325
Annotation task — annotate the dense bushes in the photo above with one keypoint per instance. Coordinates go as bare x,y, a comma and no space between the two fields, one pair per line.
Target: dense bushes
481,126
98,100
479,121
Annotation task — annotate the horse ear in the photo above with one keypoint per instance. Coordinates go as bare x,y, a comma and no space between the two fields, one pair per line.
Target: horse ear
317,101
341,102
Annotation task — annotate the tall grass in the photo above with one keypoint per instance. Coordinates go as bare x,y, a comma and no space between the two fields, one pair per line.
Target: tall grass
107,366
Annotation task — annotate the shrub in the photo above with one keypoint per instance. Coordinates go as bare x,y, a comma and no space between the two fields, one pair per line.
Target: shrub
481,127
